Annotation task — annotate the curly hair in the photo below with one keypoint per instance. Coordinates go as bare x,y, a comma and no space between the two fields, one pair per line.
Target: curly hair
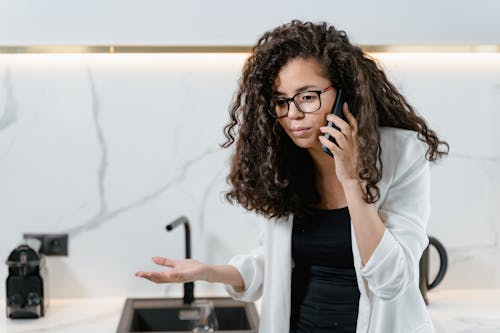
269,173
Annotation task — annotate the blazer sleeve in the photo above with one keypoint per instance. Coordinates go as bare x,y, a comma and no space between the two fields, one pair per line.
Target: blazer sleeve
251,268
405,212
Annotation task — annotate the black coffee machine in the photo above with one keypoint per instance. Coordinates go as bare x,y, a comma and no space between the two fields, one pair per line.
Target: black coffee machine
26,285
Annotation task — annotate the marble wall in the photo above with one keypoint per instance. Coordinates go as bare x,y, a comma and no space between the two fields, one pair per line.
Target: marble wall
111,147
222,22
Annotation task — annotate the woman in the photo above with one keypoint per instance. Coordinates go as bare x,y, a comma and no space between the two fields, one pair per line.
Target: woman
341,249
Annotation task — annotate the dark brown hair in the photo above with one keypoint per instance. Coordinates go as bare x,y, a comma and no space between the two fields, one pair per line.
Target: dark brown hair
269,173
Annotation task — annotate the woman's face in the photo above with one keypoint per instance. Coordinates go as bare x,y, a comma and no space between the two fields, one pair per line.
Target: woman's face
299,75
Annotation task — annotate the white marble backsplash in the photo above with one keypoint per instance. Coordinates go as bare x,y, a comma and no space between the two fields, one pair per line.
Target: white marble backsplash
111,147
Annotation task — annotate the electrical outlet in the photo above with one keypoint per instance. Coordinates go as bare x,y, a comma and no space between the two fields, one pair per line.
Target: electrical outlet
52,244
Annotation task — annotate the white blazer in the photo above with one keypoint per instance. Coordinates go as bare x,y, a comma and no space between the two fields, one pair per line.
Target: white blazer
390,300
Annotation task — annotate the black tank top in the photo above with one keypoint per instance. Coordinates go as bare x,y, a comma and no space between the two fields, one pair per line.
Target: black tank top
325,294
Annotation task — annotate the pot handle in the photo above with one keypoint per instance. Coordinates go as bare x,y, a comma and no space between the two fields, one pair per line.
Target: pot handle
443,258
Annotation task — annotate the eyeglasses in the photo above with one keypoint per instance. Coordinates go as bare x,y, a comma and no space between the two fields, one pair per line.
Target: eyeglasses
307,101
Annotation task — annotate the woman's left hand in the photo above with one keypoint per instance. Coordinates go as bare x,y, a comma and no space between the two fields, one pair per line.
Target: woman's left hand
346,153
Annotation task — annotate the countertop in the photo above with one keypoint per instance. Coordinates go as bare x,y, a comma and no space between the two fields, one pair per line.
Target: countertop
452,311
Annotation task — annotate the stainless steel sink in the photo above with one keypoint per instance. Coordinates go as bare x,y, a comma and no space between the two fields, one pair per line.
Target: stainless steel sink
171,315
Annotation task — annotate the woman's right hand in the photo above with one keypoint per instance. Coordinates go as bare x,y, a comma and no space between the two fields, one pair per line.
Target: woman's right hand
186,270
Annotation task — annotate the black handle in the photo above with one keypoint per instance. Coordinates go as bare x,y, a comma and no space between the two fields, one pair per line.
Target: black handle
443,258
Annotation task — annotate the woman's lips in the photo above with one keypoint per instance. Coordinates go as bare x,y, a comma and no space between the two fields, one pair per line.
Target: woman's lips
300,131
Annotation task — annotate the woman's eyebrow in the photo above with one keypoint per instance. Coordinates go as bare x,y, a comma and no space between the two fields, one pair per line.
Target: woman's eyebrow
309,86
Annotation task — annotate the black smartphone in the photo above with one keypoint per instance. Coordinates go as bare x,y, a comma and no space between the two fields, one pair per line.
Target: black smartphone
336,110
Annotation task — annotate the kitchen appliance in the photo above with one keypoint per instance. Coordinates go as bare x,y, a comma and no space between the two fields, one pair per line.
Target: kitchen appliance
424,284
26,284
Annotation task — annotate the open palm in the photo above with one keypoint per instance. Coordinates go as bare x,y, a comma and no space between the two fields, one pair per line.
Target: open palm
186,270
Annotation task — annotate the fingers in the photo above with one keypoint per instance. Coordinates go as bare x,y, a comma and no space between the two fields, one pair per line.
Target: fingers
163,261
180,271
339,136
151,276
350,118
344,127
163,277
330,145
159,277
169,276
347,126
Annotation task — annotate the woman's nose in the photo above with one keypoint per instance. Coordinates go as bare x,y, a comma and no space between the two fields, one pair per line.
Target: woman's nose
293,112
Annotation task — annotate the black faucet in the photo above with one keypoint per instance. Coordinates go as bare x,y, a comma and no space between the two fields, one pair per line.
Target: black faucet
189,286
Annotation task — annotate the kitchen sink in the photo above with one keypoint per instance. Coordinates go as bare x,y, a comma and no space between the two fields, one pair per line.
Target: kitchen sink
171,315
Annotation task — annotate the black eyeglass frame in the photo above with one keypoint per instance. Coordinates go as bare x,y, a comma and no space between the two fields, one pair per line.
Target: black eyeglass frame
292,99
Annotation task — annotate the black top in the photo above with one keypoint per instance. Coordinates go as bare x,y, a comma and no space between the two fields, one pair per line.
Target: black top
325,292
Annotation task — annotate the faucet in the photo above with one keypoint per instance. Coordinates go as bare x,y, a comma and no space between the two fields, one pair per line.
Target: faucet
189,286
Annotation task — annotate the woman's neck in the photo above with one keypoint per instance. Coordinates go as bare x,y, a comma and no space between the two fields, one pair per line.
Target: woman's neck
327,183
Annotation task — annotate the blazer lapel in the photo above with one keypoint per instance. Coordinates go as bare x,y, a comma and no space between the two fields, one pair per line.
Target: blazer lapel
282,273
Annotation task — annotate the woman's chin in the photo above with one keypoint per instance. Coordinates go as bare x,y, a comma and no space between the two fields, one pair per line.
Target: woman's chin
311,145
304,142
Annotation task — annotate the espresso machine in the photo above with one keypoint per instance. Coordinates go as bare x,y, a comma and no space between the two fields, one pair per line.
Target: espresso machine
26,284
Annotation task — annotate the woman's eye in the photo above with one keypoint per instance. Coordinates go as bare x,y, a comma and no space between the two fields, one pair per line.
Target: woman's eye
279,102
307,97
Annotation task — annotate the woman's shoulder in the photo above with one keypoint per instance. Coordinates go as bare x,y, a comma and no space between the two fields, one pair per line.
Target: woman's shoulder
403,153
396,142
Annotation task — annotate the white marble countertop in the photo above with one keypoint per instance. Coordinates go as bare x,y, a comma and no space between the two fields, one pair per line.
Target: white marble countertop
465,311
452,311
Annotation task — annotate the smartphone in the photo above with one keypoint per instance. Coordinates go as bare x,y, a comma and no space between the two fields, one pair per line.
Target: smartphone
336,110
